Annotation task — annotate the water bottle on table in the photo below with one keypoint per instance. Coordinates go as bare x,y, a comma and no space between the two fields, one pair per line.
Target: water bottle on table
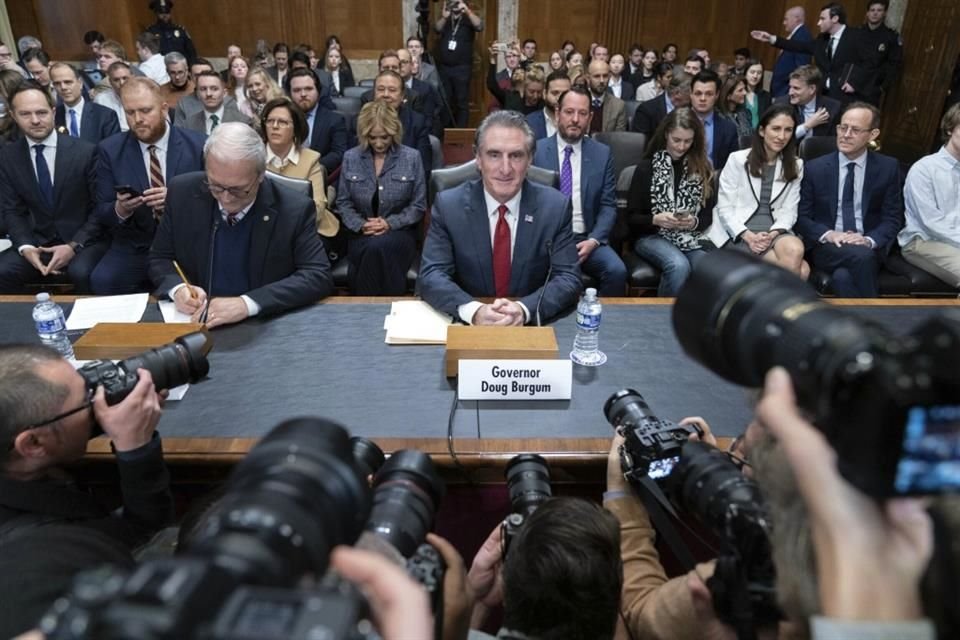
51,326
585,344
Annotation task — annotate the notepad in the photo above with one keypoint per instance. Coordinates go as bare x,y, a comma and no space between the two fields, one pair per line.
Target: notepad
171,314
87,312
415,322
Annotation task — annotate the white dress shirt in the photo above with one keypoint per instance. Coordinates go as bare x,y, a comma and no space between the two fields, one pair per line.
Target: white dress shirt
292,157
110,100
575,163
78,109
155,69
860,168
208,118
551,125
616,88
161,151
50,155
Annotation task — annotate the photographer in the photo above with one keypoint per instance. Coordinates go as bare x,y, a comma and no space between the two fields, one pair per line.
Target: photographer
561,578
47,415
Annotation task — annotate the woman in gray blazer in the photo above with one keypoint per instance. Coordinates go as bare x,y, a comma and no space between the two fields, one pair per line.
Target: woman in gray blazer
381,199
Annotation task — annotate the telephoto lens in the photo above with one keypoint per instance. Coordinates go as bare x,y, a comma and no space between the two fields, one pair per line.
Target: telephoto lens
406,496
368,456
528,482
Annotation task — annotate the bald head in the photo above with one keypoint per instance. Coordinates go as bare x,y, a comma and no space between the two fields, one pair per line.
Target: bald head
794,17
598,74
405,58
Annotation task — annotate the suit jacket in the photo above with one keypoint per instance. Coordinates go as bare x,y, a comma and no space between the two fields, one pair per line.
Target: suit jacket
649,114
28,218
346,80
627,90
400,188
288,266
882,199
457,264
598,186
309,168
96,122
832,106
198,121
726,140
852,54
538,122
416,135
273,73
787,61
188,105
614,114
120,162
329,138
739,197
428,73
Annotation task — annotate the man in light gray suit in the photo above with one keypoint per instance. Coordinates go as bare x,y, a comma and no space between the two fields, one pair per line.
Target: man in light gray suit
501,237
211,92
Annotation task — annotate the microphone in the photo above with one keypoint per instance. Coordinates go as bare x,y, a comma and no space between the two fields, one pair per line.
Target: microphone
545,281
213,242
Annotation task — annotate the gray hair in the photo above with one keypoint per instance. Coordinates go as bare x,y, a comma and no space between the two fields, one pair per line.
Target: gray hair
510,120
234,142
174,57
28,42
681,81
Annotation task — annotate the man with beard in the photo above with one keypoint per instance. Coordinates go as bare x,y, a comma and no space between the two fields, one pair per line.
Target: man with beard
544,121
328,131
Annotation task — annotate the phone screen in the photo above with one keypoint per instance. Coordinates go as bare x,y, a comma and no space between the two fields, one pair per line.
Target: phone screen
930,455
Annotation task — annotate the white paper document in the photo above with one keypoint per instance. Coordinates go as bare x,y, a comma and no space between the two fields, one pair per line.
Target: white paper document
168,309
415,322
87,312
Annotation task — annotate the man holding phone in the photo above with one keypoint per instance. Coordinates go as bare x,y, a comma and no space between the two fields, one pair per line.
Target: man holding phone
457,25
133,169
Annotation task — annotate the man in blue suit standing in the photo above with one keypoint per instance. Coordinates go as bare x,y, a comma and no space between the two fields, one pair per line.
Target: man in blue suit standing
787,61
586,177
501,237
133,169
850,206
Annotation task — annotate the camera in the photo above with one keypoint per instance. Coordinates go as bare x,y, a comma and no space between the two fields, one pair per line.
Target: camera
295,496
453,5
174,364
528,483
887,404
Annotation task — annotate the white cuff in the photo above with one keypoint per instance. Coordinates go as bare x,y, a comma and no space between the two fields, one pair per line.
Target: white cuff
468,310
823,238
526,312
252,307
24,247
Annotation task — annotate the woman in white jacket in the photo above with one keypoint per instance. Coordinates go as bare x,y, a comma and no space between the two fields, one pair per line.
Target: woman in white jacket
759,194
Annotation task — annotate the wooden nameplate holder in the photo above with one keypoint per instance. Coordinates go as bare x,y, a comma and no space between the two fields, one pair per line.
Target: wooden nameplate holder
485,343
118,340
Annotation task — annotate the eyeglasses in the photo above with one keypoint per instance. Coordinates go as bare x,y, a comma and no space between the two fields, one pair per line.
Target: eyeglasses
844,129
235,192
278,123
57,418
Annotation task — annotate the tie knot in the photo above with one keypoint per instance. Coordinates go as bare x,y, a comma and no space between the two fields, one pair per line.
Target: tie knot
38,148
152,148
851,166
502,210
568,151
73,112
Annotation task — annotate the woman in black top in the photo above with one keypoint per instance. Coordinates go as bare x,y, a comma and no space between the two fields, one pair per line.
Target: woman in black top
531,98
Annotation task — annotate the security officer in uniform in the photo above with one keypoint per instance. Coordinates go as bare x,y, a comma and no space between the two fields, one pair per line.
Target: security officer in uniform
886,49
173,37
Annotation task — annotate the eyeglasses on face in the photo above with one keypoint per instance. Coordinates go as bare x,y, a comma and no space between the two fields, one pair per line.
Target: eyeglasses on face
278,123
234,192
844,129
88,403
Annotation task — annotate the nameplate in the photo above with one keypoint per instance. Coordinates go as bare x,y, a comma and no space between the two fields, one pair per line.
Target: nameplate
515,379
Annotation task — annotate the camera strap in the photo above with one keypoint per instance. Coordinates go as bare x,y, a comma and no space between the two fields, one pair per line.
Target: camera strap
660,511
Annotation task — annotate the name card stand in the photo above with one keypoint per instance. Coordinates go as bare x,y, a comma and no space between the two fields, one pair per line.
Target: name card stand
118,340
504,379
498,343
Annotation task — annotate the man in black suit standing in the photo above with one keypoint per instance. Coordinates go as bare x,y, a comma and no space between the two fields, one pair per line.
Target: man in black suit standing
252,246
815,115
76,116
328,131
841,54
649,114
46,197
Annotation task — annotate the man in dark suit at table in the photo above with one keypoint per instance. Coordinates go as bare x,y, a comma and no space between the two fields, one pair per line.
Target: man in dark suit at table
143,160
212,94
266,255
328,131
586,177
46,198
720,133
77,116
816,115
841,54
851,206
501,237
787,61
651,113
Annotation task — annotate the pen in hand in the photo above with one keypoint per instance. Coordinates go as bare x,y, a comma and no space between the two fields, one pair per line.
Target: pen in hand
183,276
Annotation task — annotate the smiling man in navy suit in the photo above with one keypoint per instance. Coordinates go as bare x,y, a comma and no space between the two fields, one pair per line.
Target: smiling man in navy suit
501,237
75,115
851,206
586,177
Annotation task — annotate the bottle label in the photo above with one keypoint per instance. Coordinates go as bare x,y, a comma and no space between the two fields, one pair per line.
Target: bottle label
52,325
590,321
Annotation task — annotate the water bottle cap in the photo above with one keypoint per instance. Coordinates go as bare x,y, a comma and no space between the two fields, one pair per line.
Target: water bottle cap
591,292
43,296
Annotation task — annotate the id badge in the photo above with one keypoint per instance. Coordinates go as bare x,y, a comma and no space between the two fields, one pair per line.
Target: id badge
452,45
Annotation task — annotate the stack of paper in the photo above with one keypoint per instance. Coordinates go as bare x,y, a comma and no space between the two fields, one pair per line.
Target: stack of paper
170,312
415,322
87,312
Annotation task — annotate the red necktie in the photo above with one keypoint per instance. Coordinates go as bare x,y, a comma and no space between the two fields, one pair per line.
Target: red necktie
156,176
501,254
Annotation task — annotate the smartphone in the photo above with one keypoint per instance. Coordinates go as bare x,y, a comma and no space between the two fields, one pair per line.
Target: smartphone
127,190
500,47
682,214
929,461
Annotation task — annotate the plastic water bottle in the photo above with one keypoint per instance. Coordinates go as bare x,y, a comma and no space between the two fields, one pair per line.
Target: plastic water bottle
51,326
585,344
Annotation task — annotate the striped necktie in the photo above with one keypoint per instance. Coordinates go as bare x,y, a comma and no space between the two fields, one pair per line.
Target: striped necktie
156,176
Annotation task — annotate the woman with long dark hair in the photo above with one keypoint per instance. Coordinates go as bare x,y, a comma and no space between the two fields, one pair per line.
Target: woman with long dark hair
759,195
758,99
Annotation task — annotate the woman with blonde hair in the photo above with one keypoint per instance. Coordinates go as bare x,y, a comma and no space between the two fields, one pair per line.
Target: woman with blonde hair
259,90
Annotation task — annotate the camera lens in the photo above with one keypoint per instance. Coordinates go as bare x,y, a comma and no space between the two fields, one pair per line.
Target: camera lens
406,495
528,482
295,496
368,456
174,364
626,407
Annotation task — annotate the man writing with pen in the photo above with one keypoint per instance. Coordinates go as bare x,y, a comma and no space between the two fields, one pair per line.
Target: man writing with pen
244,246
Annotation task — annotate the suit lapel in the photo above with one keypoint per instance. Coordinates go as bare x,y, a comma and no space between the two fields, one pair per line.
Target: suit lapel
550,149
264,220
25,166
526,237
586,174
834,181
173,154
60,117
60,167
479,225
869,182
135,160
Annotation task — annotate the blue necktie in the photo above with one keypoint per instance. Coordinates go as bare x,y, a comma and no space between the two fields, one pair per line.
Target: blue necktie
43,176
74,129
566,173
846,204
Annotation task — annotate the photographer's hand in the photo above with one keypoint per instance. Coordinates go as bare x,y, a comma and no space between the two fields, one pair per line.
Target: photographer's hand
457,597
484,578
615,479
400,606
131,422
705,435
870,556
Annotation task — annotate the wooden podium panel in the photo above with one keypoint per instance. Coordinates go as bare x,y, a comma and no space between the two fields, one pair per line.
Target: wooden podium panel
115,340
480,343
